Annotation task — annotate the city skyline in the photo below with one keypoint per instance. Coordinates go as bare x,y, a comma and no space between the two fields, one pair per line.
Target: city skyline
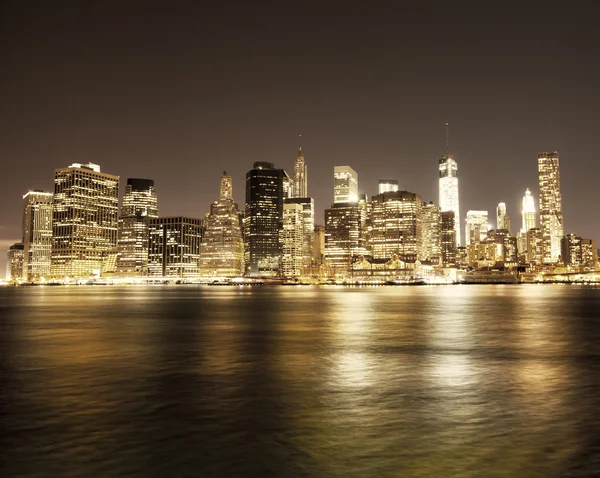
170,103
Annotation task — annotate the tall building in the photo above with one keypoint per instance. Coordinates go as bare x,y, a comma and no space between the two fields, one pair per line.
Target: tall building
528,212
222,248
396,226
502,219
431,226
387,185
265,192
85,221
308,228
448,238
579,252
140,204
174,247
535,246
448,184
551,217
476,228
345,236
37,235
319,245
293,239
300,176
345,185
14,262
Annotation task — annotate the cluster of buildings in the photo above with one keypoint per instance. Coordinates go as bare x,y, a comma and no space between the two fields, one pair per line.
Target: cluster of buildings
80,232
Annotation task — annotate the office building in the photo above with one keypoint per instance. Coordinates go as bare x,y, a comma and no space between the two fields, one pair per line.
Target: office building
318,245
266,188
448,238
502,219
396,226
431,226
528,212
14,262
448,190
140,204
37,235
308,227
174,247
222,248
85,221
476,227
293,259
535,246
300,176
387,185
344,236
345,185
551,217
579,252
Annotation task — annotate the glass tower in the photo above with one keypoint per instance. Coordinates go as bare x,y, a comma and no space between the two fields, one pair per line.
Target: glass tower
551,217
37,235
448,190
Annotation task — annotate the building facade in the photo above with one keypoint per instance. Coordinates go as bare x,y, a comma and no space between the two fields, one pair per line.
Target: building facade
431,225
387,185
37,235
174,247
300,176
448,190
85,221
140,205
222,248
14,262
502,219
266,188
345,185
448,238
476,226
528,212
551,217
345,236
293,259
308,228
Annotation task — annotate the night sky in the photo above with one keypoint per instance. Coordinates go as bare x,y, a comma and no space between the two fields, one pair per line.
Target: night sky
179,92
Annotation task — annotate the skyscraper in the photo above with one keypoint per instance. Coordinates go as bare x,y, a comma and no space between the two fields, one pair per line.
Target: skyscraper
85,221
37,235
139,206
345,236
396,226
551,217
476,226
263,219
448,184
14,262
528,212
300,176
502,219
293,238
308,229
345,185
222,248
431,226
448,238
387,185
174,247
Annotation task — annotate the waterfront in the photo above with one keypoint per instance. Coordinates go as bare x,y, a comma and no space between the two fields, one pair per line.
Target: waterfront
426,381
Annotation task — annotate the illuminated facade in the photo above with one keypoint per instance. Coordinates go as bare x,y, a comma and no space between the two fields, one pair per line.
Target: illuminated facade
502,219
579,252
396,226
222,248
535,246
174,247
345,236
266,188
448,190
319,245
551,217
37,235
431,225
345,185
139,206
300,176
528,212
85,221
293,239
476,227
308,228
14,262
387,185
448,238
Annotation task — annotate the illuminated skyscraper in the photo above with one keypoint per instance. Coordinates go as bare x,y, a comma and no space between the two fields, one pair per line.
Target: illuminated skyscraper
528,212
345,185
502,219
85,221
448,172
300,176
174,247
222,248
345,236
319,244
551,217
139,206
308,228
431,226
265,192
448,238
37,235
387,185
293,238
14,262
476,228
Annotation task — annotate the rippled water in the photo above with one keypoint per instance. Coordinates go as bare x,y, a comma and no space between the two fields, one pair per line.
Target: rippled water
466,381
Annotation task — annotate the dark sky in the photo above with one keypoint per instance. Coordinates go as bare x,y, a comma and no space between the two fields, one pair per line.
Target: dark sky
178,92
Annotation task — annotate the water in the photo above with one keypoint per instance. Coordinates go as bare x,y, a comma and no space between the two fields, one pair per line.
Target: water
465,381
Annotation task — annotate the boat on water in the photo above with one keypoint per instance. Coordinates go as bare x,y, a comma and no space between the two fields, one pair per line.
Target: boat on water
406,281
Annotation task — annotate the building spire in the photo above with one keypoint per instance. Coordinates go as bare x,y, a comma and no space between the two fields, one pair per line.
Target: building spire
447,139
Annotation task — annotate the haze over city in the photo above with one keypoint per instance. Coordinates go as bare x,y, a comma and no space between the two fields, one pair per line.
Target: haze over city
180,94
